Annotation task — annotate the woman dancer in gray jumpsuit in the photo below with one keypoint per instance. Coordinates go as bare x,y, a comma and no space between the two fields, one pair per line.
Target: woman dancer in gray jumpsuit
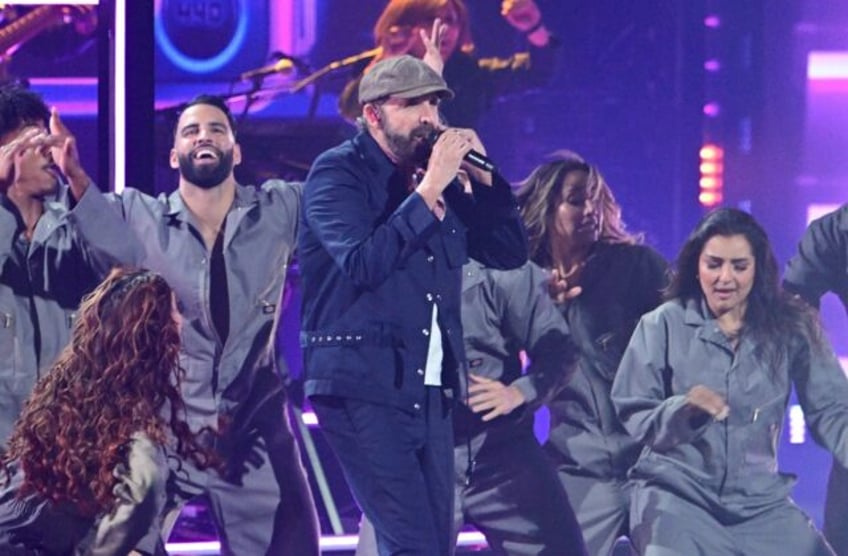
86,467
704,385
604,280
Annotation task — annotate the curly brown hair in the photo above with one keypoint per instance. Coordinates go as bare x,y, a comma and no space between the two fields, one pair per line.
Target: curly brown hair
118,376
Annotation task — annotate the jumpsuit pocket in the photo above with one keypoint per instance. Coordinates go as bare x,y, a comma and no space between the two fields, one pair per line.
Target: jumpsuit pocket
763,435
8,348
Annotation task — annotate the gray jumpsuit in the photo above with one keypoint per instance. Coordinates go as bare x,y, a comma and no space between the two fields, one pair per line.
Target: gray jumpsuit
262,502
32,525
41,284
713,488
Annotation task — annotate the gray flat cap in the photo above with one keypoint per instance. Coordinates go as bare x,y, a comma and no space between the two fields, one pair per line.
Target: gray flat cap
403,77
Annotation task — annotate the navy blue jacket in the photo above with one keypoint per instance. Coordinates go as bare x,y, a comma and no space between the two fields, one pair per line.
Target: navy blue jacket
374,260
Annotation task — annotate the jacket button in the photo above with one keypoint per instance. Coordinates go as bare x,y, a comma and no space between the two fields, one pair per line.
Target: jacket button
430,258
417,406
420,372
429,297
425,331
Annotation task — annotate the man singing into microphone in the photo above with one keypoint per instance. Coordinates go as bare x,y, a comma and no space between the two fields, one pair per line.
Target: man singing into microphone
384,234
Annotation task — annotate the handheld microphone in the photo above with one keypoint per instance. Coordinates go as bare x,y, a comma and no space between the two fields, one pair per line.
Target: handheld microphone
283,65
473,157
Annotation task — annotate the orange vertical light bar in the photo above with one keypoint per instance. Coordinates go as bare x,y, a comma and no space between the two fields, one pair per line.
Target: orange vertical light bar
711,182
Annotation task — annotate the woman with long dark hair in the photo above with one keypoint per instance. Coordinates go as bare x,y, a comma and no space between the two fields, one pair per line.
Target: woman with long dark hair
603,279
86,465
704,385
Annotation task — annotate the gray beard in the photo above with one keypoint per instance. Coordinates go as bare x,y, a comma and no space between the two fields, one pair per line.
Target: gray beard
406,149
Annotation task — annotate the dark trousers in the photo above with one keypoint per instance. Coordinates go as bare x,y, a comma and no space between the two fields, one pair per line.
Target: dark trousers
836,509
512,496
399,466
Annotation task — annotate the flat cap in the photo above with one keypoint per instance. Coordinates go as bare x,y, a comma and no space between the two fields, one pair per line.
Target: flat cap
403,77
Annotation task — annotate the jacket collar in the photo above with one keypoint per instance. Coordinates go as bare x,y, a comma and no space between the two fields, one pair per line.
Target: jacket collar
244,197
373,156
55,209
244,200
472,274
697,314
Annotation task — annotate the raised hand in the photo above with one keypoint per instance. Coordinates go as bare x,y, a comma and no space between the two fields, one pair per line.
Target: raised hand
479,175
66,155
521,14
445,159
431,41
11,153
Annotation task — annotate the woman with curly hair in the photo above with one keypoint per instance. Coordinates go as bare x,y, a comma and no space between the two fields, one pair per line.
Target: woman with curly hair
603,280
704,384
86,465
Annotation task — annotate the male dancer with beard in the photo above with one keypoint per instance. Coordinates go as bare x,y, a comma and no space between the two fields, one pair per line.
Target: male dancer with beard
383,238
44,266
224,249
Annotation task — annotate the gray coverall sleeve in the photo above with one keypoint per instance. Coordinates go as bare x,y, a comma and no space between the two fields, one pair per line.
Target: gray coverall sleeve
820,262
7,231
290,200
140,498
641,391
532,320
104,223
822,391
65,239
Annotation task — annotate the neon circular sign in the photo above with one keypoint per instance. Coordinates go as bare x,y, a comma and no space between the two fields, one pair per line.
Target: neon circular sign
198,16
